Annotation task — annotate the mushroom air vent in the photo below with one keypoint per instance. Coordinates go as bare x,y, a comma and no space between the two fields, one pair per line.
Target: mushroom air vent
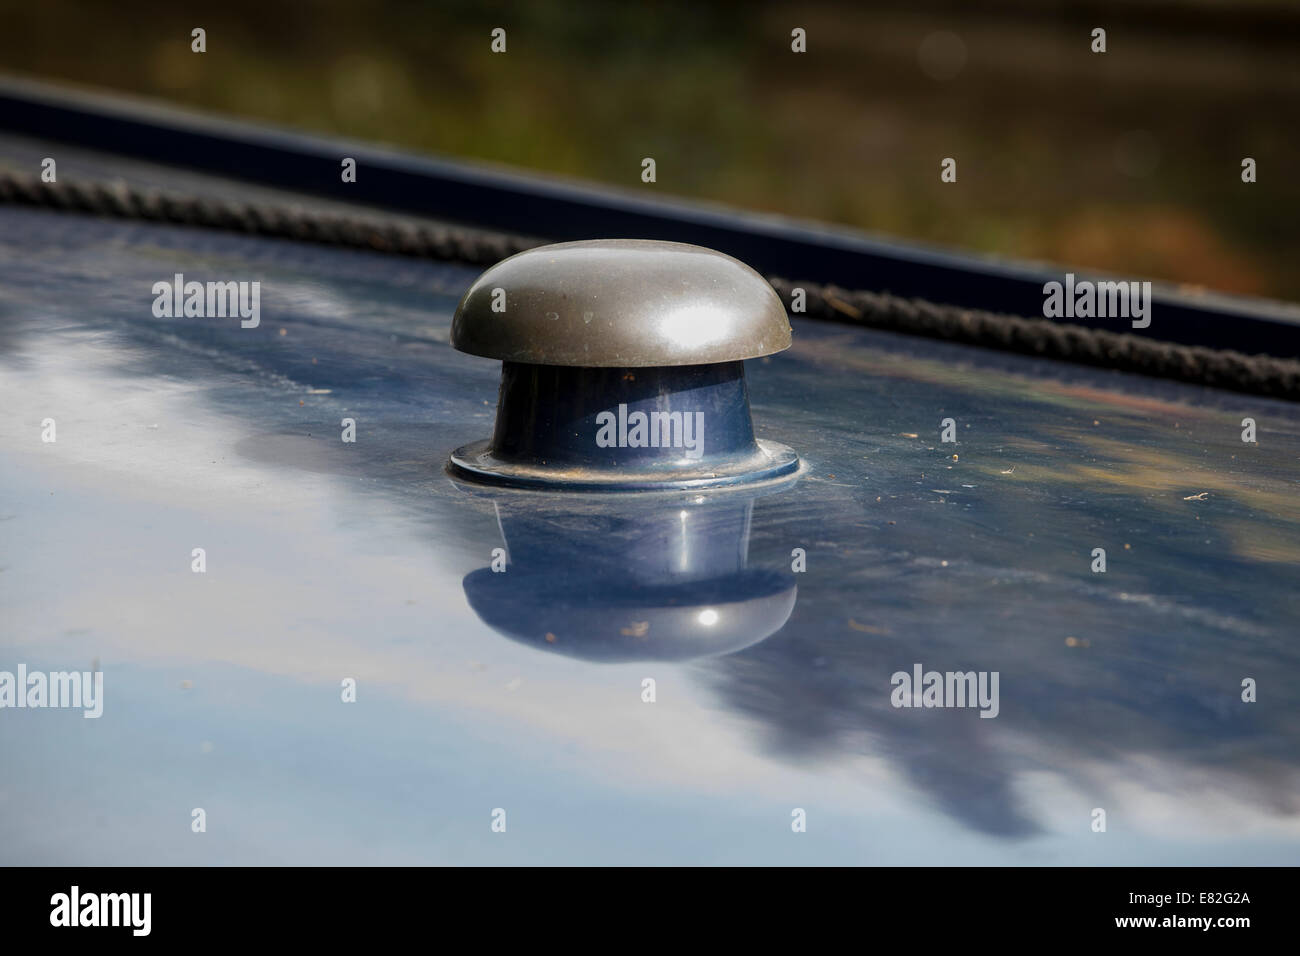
622,367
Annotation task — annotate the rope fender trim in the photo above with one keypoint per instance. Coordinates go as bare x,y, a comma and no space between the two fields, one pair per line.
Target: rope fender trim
1252,374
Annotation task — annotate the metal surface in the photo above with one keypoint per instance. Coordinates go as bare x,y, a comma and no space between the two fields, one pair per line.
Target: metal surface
622,367
631,429
556,209
620,303
549,420
329,560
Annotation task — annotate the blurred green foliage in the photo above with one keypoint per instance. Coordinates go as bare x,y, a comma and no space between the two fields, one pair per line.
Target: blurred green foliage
1127,161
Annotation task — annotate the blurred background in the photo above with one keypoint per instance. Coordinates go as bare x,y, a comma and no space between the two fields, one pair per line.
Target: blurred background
1127,161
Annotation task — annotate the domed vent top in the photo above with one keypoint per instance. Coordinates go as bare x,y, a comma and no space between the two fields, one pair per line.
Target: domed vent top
620,303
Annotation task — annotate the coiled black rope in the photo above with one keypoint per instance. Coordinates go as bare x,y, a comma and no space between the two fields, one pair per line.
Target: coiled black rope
1252,374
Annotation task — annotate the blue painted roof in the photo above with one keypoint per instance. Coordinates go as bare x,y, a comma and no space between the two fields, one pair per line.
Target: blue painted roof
329,560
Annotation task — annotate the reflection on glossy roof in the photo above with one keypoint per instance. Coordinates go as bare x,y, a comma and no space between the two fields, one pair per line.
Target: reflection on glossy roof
329,560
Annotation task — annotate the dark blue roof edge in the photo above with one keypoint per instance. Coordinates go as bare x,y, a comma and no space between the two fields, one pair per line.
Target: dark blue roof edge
551,208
